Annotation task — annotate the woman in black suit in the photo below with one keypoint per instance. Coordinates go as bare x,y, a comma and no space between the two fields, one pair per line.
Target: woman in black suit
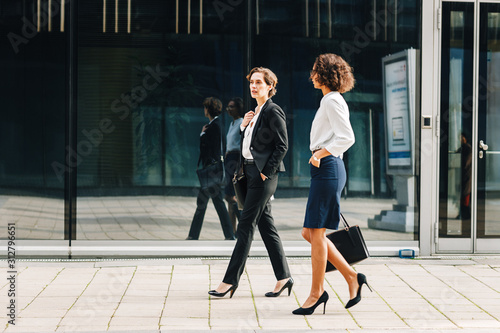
264,145
211,151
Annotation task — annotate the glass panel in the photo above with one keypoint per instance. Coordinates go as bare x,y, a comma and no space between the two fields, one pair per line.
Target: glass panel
456,120
288,38
32,131
488,195
143,73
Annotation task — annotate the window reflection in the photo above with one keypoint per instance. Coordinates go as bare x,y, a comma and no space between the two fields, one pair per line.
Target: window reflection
144,68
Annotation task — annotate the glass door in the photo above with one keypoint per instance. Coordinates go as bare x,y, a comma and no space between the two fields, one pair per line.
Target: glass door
469,172
455,170
488,134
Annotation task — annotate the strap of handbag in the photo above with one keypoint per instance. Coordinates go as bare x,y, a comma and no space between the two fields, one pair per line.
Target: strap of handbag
347,226
349,230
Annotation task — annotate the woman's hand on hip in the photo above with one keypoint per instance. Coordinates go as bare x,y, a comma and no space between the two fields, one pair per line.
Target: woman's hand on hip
314,161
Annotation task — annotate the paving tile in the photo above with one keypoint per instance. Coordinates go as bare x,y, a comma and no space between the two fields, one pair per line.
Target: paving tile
184,322
37,321
30,328
381,322
478,323
469,315
431,324
135,321
138,310
85,321
42,313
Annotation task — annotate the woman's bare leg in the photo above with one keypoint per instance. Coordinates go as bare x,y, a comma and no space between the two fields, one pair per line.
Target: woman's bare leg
319,253
337,260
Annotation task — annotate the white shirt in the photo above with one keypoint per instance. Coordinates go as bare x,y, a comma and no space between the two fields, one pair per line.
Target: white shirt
331,128
247,139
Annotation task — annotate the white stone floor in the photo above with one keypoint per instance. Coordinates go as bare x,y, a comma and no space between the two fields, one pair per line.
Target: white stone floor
439,294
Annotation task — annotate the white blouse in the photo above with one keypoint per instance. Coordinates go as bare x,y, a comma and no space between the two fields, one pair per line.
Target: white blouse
247,138
331,128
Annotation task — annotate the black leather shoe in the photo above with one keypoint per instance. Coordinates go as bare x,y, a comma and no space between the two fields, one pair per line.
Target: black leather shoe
309,311
288,284
361,280
217,294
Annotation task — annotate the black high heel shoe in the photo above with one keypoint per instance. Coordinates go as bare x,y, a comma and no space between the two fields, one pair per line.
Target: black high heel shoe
361,280
218,294
288,284
308,311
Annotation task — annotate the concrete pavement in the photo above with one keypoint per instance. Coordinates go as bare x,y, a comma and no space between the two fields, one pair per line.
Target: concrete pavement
170,295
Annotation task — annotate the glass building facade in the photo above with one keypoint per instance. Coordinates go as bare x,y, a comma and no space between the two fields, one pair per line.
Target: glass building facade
102,110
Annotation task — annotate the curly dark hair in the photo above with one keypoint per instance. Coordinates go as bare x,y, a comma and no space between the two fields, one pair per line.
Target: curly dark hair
213,106
269,77
333,72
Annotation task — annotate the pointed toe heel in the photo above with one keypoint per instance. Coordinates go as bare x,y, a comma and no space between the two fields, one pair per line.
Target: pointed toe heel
288,284
309,311
218,294
361,280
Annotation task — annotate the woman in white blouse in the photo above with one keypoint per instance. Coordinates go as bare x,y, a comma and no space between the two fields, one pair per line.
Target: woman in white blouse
331,136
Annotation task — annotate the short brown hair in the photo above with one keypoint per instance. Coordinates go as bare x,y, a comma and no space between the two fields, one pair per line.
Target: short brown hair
333,72
213,106
269,77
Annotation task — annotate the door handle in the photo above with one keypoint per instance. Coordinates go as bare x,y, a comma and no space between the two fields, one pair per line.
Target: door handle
483,145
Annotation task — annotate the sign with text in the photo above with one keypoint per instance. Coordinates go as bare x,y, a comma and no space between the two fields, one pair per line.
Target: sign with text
399,108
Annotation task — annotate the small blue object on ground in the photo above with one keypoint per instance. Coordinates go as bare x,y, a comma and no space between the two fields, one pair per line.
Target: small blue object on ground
407,254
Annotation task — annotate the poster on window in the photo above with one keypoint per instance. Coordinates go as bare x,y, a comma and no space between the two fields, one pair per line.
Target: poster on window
399,109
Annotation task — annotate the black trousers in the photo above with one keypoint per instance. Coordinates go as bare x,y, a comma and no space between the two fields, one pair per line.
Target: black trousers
257,212
201,207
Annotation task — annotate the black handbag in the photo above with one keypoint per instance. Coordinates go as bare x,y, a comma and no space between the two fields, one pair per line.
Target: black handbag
240,188
212,175
350,243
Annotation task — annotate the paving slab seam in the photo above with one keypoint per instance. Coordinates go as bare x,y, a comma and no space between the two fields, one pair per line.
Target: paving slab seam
19,272
390,307
423,297
458,292
166,297
253,298
475,278
88,284
340,299
298,303
128,285
34,298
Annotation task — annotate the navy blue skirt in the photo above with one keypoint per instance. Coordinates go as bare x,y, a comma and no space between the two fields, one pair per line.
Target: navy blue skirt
323,204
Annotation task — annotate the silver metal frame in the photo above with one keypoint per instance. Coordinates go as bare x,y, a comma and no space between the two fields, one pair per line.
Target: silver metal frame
428,136
181,248
121,248
444,245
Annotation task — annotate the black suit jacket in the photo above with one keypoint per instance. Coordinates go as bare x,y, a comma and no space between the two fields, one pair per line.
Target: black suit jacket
211,143
269,139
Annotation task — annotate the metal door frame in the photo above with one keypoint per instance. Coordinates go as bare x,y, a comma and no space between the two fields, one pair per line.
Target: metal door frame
451,245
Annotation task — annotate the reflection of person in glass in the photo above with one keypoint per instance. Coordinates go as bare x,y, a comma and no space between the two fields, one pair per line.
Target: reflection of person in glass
211,151
465,151
235,110
331,135
264,145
